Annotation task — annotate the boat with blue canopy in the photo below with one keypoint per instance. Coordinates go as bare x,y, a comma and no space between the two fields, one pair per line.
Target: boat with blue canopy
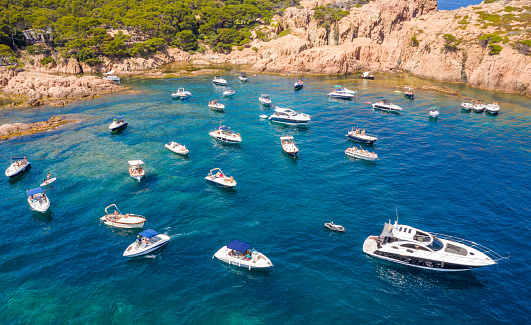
18,166
237,253
38,200
118,124
146,242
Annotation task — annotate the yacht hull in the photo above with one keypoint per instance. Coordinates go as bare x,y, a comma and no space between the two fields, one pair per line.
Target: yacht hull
147,250
12,172
361,139
118,128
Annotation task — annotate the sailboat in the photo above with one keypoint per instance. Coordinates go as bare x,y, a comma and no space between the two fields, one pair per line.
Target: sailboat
298,83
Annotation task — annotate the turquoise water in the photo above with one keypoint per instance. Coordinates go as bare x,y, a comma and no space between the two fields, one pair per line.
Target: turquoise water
465,175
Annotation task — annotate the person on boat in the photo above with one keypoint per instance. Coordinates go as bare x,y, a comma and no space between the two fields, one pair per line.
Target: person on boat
363,132
357,129
43,194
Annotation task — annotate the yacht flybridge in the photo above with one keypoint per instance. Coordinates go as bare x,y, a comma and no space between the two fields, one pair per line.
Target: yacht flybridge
410,246
237,253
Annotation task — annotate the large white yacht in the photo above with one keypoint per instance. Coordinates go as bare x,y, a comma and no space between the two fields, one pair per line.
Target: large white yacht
289,116
237,253
410,246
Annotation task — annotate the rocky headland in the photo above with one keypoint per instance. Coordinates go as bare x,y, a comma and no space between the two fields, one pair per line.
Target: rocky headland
18,129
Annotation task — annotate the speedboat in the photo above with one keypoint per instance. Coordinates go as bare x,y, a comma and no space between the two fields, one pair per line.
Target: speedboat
118,124
217,177
223,133
433,113
334,227
386,105
467,105
38,200
215,105
219,81
298,85
493,108
135,170
366,75
289,146
409,93
146,242
360,136
346,90
289,116
342,94
361,153
177,148
117,219
229,92
243,77
410,246
18,166
237,253
181,93
265,100
479,106
110,76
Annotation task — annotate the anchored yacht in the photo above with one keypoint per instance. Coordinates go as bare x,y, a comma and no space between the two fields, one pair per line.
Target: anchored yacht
224,133
289,116
237,253
386,105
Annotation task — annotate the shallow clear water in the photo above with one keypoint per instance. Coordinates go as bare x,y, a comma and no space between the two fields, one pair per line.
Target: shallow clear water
465,175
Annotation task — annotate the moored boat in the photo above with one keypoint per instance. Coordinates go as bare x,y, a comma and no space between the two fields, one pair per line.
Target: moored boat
265,100
298,84
410,246
467,104
386,105
366,75
118,124
289,146
289,116
334,227
433,113
219,81
229,92
479,106
216,105
217,177
147,241
340,93
177,148
135,170
361,153
117,219
357,135
243,77
37,199
181,93
110,76
17,166
408,92
224,133
237,253
492,108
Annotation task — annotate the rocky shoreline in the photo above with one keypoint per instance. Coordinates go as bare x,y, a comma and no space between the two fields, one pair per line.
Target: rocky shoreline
8,131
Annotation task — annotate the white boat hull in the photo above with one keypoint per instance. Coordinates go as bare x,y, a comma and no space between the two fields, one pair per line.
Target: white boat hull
40,205
135,249
264,102
257,261
13,170
221,181
124,222
177,149
359,155
218,107
231,138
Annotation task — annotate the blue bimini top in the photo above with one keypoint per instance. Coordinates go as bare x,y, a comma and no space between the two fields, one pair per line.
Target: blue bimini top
238,246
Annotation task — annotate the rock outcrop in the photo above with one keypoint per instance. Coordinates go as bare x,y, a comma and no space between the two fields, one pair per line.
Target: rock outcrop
18,129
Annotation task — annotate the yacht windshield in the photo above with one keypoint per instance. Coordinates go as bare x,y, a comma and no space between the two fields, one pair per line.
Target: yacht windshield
437,244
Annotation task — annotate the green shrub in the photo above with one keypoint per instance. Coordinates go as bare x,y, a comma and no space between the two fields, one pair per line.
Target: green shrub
451,42
254,48
34,49
495,49
414,42
31,61
505,40
524,47
487,39
284,32
240,48
45,60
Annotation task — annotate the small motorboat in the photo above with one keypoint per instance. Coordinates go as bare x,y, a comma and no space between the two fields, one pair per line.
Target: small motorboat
243,77
289,116
38,200
219,81
118,124
408,92
48,181
357,135
289,146
467,104
135,170
181,94
229,92
177,148
346,90
217,177
117,219
434,113
410,246
224,133
479,106
216,105
17,166
361,153
110,76
493,108
334,227
366,75
265,100
341,94
237,253
298,84
147,241
386,105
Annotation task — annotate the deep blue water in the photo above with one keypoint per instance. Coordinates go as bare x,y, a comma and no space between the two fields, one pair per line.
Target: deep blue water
452,4
465,175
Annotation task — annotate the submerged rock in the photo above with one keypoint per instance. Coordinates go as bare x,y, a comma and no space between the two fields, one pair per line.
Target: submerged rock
18,129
